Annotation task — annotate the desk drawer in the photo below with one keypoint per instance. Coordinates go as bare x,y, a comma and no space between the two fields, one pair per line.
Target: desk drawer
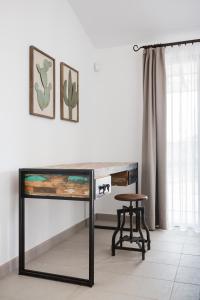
124,178
103,186
57,185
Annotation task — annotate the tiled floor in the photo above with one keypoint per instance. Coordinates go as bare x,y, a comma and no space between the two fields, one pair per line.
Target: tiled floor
171,270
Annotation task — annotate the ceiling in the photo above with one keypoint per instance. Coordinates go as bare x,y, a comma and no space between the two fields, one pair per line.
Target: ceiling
118,22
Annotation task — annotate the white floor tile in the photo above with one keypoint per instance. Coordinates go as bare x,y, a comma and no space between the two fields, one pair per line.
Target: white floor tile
167,246
155,270
185,292
192,233
93,294
168,236
138,268
133,285
163,257
190,261
193,249
188,275
193,240
26,288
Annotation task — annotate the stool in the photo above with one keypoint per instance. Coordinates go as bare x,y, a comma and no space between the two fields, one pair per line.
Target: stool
121,219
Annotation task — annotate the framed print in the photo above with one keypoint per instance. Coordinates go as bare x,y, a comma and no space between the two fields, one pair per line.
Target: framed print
42,84
69,93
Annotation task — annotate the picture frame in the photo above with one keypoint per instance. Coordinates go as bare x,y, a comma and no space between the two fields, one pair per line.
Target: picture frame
41,84
69,93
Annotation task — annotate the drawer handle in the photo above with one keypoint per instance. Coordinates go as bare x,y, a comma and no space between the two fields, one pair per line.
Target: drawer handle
102,188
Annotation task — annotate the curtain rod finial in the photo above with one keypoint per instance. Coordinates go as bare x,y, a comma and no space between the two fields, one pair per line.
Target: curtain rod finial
136,48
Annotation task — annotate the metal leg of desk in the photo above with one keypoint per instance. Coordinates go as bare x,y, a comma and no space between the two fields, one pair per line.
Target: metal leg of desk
91,237
70,279
21,236
51,276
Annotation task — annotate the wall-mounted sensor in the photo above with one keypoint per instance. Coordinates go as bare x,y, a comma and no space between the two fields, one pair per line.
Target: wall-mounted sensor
96,67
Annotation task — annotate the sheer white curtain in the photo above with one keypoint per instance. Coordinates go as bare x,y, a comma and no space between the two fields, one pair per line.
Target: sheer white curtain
183,135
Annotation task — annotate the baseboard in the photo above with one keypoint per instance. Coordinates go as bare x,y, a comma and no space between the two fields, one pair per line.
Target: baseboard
112,218
106,217
8,267
12,265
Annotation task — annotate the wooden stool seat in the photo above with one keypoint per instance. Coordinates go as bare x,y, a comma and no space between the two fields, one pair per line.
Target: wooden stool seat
131,197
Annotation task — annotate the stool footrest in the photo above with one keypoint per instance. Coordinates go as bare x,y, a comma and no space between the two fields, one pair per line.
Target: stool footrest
129,248
134,239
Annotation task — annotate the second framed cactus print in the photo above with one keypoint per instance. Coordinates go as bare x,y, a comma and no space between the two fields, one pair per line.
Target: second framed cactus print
69,93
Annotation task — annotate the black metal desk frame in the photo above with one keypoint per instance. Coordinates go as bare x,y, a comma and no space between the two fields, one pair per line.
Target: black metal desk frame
51,276
90,199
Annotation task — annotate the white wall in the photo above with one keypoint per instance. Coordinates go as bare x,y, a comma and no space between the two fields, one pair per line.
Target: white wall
118,112
28,141
110,127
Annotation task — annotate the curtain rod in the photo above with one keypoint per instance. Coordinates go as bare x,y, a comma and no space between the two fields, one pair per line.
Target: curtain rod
136,48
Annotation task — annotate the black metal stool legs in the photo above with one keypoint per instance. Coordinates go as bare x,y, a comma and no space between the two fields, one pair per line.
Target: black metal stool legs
146,229
141,234
116,231
131,222
122,225
139,240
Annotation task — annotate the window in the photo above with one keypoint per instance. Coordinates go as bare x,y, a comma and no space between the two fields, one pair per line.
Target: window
183,135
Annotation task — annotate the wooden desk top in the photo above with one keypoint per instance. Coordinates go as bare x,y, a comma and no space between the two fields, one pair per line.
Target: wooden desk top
51,181
101,169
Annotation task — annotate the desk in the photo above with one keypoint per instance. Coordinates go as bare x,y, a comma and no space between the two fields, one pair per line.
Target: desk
76,182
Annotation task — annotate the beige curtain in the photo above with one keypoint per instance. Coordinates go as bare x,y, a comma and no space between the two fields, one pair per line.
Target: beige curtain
154,136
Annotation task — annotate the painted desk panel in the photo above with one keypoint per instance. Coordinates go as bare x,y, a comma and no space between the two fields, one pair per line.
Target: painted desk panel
56,185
